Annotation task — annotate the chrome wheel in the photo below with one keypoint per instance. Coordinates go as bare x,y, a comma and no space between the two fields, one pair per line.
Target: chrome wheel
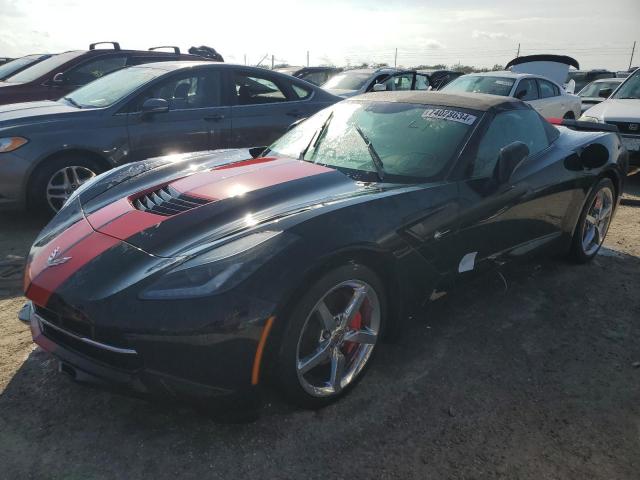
64,182
337,338
596,222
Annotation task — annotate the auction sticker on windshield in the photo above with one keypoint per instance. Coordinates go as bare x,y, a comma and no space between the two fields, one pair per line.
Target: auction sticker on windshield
452,115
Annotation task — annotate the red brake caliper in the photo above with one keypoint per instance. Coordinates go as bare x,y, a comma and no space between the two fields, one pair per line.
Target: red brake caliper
356,324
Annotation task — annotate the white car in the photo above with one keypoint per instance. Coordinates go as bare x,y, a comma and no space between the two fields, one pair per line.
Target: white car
622,109
355,82
543,94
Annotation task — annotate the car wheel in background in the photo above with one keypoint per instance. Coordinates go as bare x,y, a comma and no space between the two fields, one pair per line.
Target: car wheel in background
56,179
331,335
569,116
594,222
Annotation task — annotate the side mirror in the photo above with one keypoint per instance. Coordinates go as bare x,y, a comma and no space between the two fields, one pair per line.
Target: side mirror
509,159
154,105
595,155
257,152
379,87
521,94
605,92
59,78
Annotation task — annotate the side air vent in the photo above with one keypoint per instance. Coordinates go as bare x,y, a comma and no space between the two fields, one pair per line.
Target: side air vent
167,201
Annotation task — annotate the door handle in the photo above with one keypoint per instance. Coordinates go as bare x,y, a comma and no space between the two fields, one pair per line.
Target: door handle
214,118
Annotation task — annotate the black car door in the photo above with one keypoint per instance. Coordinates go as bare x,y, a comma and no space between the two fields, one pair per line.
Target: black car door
525,212
197,119
264,106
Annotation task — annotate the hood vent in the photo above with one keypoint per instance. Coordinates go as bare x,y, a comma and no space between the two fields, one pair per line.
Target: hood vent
167,201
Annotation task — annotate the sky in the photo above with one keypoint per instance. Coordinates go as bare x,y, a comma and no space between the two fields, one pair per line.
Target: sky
598,34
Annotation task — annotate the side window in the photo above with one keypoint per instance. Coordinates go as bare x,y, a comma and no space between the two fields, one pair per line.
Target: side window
193,90
422,82
527,90
507,127
254,90
301,92
317,78
89,71
399,82
547,89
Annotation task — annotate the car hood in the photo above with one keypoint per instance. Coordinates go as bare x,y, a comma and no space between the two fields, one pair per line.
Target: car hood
340,92
186,209
622,110
29,112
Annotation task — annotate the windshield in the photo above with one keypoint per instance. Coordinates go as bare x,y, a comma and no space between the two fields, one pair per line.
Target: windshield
348,81
42,68
481,84
111,88
593,89
8,68
401,142
630,88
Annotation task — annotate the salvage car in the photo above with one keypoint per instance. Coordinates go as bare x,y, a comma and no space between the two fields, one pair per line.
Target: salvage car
597,91
583,77
60,74
315,75
546,96
355,82
48,149
439,78
208,274
15,66
622,109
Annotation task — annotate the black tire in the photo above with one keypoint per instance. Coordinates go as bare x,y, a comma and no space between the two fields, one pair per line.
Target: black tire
37,189
577,252
569,116
286,372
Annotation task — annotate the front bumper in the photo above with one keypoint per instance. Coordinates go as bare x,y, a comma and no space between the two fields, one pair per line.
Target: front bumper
124,370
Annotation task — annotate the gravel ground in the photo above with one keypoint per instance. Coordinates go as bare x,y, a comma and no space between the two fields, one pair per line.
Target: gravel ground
533,377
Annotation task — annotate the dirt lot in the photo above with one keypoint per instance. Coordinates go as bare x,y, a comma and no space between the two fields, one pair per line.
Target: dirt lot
540,380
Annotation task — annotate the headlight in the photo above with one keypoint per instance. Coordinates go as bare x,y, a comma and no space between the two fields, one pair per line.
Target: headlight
9,144
586,118
219,269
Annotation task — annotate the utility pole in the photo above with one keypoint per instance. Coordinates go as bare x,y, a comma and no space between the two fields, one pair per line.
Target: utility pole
272,61
633,50
395,59
518,54
245,58
307,58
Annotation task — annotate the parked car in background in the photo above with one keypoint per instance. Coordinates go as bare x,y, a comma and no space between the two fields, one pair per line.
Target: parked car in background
358,81
622,109
4,60
597,91
60,74
48,149
207,276
315,75
15,66
584,77
546,96
439,78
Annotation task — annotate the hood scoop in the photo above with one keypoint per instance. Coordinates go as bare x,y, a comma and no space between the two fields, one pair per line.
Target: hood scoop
167,201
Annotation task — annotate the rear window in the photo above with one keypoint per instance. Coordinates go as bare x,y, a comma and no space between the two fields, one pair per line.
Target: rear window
481,84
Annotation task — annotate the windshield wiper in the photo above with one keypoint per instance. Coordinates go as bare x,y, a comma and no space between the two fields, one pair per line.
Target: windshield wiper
318,138
377,161
72,102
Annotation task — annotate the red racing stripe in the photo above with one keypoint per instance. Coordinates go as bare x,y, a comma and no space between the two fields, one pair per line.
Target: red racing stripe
79,254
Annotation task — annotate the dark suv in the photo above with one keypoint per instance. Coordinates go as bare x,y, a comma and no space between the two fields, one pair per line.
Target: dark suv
60,74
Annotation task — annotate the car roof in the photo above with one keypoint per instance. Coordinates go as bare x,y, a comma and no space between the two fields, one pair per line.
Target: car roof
473,101
504,73
609,80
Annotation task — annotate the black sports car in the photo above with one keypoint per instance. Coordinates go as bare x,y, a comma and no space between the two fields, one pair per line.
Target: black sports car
199,274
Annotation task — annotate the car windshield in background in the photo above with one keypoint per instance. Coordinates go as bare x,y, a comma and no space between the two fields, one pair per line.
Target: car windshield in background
8,68
481,84
39,69
411,143
111,88
593,89
630,88
347,81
